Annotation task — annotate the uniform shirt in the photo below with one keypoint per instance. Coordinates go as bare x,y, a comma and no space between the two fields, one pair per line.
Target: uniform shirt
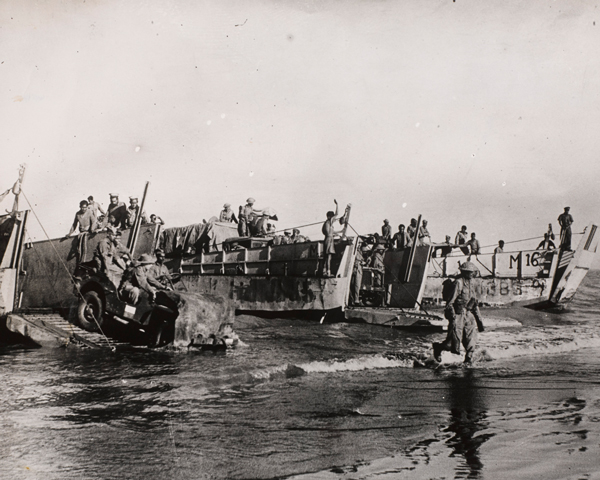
565,220
86,221
119,212
132,213
227,216
105,251
386,231
461,238
158,276
474,244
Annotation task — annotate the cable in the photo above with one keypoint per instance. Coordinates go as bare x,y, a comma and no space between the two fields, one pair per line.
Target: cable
66,269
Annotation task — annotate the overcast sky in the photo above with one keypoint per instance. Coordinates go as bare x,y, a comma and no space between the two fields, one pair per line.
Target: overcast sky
467,112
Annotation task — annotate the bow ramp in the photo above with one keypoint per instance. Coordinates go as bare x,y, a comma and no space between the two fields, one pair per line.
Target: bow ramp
52,330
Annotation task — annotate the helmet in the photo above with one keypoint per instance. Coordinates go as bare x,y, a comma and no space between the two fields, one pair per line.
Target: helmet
250,200
227,205
468,267
146,259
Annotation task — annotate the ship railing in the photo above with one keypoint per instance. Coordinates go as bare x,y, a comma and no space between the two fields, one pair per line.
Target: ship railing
298,259
516,264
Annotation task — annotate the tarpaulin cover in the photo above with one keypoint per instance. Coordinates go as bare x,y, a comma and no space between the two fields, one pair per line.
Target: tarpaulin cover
202,319
193,238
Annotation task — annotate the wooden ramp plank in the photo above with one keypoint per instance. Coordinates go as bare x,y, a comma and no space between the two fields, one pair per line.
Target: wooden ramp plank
51,330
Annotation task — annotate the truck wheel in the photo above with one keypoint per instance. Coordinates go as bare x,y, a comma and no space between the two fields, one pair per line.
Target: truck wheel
90,311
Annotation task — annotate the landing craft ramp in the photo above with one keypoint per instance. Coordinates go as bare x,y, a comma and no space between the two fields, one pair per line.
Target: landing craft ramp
52,330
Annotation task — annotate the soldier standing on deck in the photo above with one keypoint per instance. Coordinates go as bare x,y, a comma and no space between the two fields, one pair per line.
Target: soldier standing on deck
328,245
227,214
386,231
400,239
118,211
565,220
463,316
85,218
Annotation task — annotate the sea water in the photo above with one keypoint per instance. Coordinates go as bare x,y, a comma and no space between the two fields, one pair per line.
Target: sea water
305,400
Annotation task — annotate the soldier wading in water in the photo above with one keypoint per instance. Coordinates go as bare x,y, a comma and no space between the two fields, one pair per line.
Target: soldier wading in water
463,316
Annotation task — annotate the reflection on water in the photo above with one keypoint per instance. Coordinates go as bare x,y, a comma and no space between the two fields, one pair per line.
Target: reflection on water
467,419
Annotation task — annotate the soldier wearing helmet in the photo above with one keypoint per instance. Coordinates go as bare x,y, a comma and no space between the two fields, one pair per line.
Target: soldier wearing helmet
135,279
463,315
227,215
248,219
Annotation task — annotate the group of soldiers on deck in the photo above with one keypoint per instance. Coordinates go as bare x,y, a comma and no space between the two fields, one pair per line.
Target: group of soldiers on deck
91,217
253,222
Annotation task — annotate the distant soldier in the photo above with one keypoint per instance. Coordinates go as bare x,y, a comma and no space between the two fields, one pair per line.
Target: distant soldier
328,242
474,245
287,238
95,206
462,312
270,230
158,274
133,211
462,237
411,230
376,262
386,231
248,224
118,211
400,240
122,256
565,220
546,243
227,214
156,220
357,275
550,232
500,247
84,218
297,238
135,280
424,237
444,249
105,251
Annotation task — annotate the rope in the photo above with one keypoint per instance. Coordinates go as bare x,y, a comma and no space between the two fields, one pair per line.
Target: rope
66,269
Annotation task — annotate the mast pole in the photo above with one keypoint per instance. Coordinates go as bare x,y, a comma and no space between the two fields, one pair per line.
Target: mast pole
138,220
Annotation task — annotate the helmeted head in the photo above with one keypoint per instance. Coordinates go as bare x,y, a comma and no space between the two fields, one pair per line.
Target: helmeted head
250,201
160,254
227,206
468,269
386,221
146,259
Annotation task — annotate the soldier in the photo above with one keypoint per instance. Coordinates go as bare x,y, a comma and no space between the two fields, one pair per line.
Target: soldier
227,214
500,247
287,238
400,240
133,211
95,206
122,256
155,219
105,250
565,220
118,211
376,261
443,249
328,243
474,245
135,280
411,230
386,231
424,237
461,238
158,274
248,215
463,316
85,218
297,238
357,275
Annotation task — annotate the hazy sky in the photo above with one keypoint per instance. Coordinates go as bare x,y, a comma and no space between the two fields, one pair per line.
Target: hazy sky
467,112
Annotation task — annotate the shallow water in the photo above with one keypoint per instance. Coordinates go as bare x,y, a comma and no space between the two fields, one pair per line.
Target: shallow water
304,400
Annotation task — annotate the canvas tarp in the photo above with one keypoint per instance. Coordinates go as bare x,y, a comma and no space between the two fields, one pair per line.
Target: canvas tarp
194,238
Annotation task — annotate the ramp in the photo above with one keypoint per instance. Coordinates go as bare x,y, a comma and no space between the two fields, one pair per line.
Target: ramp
53,331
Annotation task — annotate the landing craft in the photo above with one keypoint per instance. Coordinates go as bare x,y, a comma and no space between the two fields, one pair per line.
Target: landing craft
258,276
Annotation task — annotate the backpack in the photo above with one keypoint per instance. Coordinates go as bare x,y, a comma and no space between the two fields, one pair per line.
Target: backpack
448,288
